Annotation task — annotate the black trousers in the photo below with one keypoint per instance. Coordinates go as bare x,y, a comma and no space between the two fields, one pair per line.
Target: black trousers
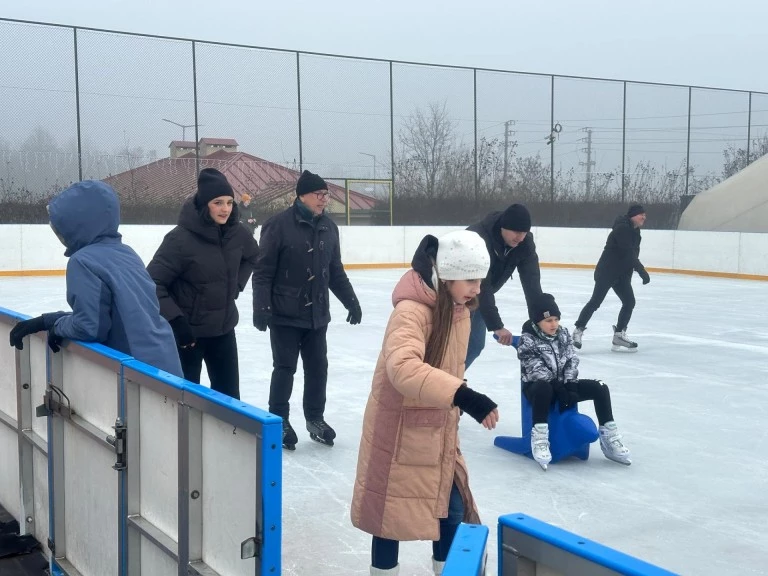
623,289
541,393
220,356
287,343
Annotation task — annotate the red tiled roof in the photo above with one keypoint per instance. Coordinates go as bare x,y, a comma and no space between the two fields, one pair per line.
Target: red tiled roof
174,179
183,144
219,141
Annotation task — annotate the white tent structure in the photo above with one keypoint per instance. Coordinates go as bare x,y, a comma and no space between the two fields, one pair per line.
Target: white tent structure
738,204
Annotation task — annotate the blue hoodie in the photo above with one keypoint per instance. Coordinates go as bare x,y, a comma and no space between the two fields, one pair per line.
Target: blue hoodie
113,299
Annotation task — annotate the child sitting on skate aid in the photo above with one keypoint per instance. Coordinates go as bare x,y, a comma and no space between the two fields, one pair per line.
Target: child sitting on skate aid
549,371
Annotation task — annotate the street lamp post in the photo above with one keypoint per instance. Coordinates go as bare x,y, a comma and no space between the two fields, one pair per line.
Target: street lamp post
374,163
182,126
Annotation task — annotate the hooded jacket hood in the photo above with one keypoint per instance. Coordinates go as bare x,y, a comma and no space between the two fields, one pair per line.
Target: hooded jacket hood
85,213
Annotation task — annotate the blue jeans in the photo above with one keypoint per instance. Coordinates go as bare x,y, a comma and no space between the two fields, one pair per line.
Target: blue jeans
384,552
477,335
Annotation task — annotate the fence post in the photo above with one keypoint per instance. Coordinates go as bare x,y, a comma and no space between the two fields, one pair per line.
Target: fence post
552,144
298,92
624,146
688,144
749,128
77,110
477,172
391,145
194,90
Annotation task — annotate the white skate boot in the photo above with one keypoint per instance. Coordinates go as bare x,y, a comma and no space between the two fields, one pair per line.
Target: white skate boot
391,572
577,334
621,343
612,446
540,444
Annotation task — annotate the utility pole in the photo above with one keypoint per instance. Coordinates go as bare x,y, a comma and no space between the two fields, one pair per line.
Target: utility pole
507,133
589,163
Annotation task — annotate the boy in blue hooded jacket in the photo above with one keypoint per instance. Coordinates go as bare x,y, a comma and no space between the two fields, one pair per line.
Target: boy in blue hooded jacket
113,299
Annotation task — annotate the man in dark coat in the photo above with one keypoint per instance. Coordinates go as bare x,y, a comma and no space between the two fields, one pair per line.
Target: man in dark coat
510,244
300,261
200,269
620,257
112,297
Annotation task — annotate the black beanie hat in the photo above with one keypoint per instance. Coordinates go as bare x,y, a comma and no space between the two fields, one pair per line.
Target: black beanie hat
635,209
211,184
543,307
309,182
516,218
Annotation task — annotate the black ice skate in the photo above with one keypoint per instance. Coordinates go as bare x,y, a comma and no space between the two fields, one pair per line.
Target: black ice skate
289,435
319,431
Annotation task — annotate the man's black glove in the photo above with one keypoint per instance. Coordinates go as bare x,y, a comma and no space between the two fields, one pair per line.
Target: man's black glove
24,329
473,403
567,394
182,331
355,312
644,275
261,320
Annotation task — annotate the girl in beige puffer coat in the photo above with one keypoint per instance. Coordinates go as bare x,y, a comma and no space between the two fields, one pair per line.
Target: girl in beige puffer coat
412,481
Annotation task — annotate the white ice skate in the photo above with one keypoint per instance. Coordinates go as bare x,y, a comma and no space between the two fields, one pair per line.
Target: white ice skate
612,446
540,444
621,343
391,572
577,334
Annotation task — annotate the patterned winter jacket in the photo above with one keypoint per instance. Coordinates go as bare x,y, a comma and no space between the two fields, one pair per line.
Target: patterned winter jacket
546,360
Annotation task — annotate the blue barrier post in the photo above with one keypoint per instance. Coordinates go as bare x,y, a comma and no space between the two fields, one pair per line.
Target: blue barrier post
467,554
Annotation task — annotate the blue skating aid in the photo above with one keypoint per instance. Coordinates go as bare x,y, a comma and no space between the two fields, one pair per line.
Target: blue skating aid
570,432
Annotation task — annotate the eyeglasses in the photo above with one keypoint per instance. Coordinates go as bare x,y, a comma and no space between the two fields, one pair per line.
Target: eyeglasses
322,195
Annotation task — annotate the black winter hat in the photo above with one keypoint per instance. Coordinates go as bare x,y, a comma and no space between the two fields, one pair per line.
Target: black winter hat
635,209
543,307
211,184
309,182
516,218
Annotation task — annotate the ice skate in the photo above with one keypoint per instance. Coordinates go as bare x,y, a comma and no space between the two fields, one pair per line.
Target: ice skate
289,435
437,567
319,431
621,343
380,572
577,334
540,444
612,446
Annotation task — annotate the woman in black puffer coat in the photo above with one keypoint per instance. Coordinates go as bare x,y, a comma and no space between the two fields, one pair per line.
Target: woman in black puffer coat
200,269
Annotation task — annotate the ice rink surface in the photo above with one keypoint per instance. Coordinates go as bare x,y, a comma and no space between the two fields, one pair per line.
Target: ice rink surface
692,405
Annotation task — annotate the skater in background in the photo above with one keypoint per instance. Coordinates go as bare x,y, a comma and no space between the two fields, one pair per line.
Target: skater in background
550,371
412,481
620,257
247,216
112,297
511,247
200,269
300,261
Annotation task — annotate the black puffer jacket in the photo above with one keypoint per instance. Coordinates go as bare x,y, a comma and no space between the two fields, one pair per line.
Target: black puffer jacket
299,261
621,253
504,261
201,268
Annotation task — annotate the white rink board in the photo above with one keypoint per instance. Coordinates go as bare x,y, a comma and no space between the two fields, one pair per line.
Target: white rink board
92,389
158,461
7,374
39,382
10,493
155,562
91,513
40,465
229,464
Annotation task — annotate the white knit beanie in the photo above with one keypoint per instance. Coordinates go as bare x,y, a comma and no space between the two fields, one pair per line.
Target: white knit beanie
462,255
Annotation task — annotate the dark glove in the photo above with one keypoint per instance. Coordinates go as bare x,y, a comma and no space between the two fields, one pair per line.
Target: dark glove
24,329
54,341
261,320
644,275
473,403
182,331
355,313
567,394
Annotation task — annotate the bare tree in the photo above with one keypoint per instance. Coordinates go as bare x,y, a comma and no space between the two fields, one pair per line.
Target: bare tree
735,159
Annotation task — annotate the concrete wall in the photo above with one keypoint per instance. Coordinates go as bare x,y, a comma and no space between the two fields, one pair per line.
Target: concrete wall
27,249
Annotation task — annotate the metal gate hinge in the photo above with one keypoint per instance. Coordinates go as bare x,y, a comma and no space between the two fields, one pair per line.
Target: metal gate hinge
118,441
53,404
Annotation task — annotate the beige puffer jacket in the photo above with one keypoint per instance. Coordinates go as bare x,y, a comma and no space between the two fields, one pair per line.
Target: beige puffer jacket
409,451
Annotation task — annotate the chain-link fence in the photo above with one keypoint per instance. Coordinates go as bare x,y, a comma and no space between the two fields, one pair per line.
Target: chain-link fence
399,143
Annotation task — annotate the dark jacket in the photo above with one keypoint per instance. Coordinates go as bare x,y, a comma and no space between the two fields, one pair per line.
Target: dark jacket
299,261
504,261
547,360
248,217
112,297
201,268
621,253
